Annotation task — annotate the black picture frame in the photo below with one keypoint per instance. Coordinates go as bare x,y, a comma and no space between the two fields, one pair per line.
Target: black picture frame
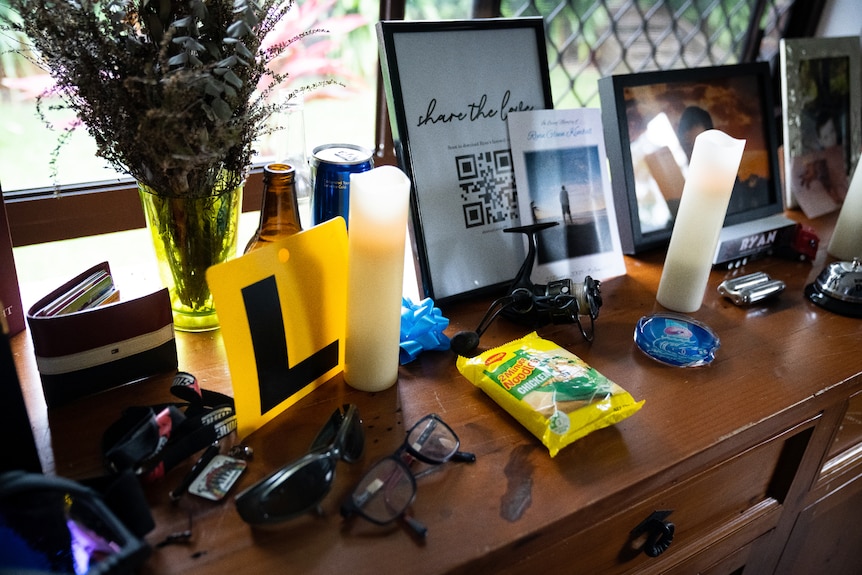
647,178
450,86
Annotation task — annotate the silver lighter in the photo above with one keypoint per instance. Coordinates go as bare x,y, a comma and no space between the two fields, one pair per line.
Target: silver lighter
745,290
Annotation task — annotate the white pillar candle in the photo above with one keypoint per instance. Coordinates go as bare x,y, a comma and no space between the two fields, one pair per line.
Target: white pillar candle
377,218
711,175
846,242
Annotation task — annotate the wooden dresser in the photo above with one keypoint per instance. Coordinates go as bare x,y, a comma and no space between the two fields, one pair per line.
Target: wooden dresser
757,457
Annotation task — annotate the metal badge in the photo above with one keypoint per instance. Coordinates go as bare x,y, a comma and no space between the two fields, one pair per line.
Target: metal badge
218,477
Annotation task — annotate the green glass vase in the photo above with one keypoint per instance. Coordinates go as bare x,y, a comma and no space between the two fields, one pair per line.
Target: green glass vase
190,234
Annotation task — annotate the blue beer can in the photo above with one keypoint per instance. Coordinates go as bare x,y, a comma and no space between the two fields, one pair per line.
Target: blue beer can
331,166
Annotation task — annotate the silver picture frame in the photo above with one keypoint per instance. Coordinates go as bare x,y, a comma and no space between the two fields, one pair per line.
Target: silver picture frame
820,81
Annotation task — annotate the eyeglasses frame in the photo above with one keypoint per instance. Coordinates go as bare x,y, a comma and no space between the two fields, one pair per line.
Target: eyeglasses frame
349,507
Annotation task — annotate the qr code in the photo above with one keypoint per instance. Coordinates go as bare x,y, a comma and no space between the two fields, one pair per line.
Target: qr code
487,185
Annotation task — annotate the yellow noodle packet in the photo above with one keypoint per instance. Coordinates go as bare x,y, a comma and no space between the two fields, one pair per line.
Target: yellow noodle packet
552,392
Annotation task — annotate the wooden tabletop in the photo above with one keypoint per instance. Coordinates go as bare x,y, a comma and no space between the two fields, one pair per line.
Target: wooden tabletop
778,361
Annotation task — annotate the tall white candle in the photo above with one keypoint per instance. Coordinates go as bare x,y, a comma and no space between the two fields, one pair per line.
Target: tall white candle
379,201
846,242
712,172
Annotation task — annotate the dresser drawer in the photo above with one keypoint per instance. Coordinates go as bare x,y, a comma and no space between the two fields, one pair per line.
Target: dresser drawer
719,560
844,457
728,504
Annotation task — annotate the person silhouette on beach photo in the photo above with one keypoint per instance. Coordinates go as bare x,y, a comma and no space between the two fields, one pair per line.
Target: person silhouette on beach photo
564,204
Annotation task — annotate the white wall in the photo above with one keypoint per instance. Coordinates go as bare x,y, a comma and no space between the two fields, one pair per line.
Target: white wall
841,18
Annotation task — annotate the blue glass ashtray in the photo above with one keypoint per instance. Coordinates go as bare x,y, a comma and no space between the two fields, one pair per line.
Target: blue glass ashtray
676,340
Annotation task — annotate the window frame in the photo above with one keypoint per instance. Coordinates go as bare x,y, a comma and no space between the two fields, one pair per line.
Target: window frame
42,215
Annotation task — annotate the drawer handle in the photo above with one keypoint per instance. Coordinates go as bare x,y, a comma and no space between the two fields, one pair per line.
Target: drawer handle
658,533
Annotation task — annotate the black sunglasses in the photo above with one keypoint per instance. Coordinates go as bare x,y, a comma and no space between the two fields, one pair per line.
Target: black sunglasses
389,487
301,485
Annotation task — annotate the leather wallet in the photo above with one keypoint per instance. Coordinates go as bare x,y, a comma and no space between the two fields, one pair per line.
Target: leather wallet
79,353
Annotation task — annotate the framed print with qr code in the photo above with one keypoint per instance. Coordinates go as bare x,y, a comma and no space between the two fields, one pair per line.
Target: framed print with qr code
450,88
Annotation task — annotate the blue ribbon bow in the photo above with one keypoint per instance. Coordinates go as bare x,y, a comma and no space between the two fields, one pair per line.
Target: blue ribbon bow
422,328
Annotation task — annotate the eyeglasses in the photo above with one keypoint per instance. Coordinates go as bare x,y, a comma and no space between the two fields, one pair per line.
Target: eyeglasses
389,488
300,486
55,525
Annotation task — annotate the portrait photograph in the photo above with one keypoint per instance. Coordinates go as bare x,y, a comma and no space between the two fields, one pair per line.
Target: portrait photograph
651,122
820,97
664,120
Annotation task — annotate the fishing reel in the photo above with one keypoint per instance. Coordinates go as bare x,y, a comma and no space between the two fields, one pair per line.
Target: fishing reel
557,302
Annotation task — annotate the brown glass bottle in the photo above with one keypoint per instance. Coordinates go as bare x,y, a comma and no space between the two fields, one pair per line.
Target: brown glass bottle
279,211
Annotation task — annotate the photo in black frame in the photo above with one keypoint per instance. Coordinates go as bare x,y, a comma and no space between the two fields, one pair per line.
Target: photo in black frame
450,86
650,120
